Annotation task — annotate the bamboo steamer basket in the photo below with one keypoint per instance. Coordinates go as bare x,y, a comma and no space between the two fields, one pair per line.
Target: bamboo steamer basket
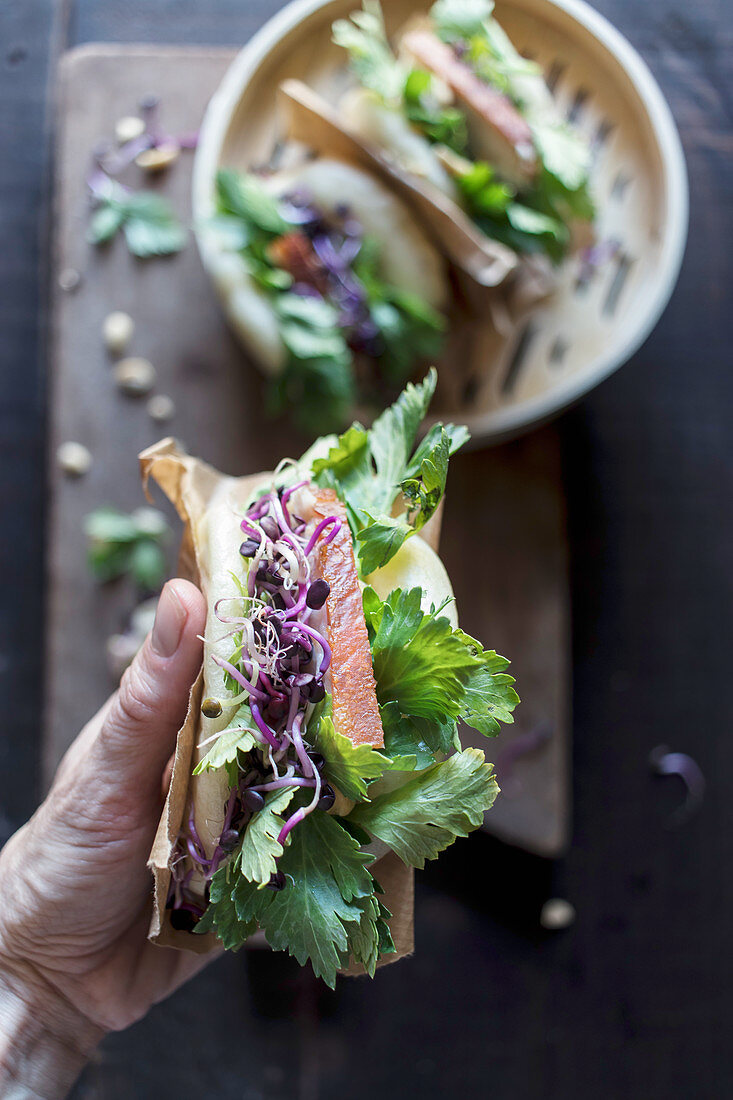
588,327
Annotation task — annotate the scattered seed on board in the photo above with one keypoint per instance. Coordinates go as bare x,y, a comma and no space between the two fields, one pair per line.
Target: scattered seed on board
117,331
161,407
74,459
129,128
135,376
155,160
69,279
557,914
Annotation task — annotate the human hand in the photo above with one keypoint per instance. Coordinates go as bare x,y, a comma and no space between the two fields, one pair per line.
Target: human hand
76,892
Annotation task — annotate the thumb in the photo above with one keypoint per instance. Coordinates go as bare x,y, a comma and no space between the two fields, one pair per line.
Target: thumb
139,729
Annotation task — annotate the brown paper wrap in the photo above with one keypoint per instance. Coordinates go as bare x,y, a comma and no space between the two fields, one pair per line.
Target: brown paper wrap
196,489
313,121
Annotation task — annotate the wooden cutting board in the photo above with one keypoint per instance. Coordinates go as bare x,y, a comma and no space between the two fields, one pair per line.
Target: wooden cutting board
504,539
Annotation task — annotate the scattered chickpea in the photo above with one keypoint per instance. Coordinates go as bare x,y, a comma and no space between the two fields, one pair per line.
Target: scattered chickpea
128,128
74,459
117,331
135,376
557,914
161,407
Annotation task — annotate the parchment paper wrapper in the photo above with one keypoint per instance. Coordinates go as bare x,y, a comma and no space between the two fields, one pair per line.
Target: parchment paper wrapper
199,492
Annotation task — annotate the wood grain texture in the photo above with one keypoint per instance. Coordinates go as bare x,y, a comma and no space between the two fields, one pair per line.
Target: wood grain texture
635,1000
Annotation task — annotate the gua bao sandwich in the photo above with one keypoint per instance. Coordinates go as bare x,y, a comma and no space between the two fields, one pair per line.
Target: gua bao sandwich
458,110
330,282
321,761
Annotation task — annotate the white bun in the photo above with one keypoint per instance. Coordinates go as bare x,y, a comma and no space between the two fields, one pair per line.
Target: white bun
249,311
416,565
390,131
407,259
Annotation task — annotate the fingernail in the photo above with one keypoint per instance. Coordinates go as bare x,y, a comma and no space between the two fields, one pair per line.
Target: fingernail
169,621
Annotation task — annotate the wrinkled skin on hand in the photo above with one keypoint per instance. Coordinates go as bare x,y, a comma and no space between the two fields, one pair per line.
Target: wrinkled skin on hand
76,892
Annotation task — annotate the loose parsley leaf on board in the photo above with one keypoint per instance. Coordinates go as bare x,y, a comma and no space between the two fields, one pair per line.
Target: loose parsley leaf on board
122,543
424,816
147,220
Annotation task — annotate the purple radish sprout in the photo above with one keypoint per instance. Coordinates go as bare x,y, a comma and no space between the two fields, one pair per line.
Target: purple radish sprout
237,675
327,522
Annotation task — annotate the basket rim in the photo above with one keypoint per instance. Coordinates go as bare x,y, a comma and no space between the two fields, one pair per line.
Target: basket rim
499,423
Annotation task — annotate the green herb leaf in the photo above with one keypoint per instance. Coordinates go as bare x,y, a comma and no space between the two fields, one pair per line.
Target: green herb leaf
150,226
244,196
324,913
410,329
147,564
366,467
441,125
425,489
380,540
483,192
371,937
371,58
344,455
419,663
565,154
260,849
531,221
458,20
221,914
403,740
458,435
104,223
237,737
318,392
409,736
392,439
122,543
424,816
348,766
489,697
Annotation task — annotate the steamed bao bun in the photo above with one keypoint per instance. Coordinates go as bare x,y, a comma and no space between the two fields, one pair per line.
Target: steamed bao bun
408,260
416,565
389,130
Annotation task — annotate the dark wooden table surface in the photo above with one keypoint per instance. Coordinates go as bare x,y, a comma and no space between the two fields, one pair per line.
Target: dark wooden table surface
635,1000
